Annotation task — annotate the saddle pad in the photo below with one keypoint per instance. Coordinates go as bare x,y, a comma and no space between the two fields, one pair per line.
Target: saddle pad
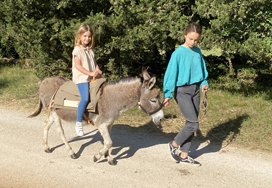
68,96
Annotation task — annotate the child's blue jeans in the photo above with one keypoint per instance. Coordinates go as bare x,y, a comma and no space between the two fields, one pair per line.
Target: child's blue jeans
84,94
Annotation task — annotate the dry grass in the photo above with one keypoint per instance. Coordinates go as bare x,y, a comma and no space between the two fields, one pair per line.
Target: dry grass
19,88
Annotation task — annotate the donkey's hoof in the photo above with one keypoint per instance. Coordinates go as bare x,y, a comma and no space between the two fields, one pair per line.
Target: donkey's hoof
73,156
112,162
48,150
94,159
106,154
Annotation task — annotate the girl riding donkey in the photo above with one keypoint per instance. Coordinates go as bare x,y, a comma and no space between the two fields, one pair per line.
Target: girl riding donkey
84,69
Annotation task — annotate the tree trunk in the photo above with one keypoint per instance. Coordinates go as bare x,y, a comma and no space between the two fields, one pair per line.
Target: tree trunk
231,71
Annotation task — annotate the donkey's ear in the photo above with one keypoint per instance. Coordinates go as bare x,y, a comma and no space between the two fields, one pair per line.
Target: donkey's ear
145,74
151,82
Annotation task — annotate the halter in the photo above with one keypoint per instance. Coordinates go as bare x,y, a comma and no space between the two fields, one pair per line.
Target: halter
142,108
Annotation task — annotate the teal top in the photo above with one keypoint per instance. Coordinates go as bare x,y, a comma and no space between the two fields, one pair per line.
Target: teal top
186,67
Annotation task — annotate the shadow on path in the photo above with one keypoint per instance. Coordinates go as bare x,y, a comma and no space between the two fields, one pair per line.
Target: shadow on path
217,136
148,135
93,138
124,136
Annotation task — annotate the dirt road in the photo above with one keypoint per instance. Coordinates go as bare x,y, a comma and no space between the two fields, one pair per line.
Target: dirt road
143,160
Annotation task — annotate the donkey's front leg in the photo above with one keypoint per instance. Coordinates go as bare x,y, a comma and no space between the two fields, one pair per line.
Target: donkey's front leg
104,131
61,132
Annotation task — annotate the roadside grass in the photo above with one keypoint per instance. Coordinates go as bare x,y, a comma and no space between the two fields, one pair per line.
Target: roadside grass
232,118
18,88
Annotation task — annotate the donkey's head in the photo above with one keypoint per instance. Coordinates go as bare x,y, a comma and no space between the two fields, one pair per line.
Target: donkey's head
149,98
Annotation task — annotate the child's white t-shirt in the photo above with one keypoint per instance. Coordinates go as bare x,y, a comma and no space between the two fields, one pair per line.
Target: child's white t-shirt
86,56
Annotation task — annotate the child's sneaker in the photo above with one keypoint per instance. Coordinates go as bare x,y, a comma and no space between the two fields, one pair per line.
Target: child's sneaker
79,129
174,153
189,160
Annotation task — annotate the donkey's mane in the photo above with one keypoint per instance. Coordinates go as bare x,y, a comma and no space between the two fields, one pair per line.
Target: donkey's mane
126,80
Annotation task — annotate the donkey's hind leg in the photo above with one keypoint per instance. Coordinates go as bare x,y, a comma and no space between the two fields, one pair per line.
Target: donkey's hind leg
61,132
47,126
107,154
104,131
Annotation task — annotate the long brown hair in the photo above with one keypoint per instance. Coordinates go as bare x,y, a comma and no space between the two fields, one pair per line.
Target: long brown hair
82,29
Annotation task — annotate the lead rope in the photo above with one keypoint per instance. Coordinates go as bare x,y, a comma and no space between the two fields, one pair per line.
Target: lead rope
203,108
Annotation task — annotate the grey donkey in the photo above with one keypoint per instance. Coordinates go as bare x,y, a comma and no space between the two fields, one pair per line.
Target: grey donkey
115,99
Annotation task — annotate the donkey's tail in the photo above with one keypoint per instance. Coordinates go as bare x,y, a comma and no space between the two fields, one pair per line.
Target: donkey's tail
37,111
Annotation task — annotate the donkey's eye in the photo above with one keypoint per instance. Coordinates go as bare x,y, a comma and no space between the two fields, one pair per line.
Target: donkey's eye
153,100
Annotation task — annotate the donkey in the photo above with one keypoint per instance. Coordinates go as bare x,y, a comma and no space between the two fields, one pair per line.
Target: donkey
115,99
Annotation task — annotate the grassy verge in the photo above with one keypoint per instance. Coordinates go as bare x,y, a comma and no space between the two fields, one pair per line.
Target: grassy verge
232,118
19,88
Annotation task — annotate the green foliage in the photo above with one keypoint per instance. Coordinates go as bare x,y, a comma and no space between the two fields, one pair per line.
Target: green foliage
129,34
145,33
134,34
238,28
7,62
44,30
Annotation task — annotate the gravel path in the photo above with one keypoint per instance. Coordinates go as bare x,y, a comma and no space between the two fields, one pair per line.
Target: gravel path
143,160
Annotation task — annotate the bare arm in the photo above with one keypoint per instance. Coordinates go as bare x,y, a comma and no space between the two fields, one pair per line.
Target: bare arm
98,69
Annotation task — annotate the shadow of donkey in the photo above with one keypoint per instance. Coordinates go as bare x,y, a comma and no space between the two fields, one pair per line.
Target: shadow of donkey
128,140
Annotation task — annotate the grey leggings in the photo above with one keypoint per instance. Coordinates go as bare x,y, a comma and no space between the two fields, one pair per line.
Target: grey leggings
188,99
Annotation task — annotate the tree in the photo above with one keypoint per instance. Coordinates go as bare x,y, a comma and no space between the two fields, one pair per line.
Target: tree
133,34
145,33
240,27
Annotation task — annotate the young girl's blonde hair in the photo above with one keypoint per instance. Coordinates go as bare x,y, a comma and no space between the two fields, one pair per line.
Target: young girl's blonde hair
82,29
